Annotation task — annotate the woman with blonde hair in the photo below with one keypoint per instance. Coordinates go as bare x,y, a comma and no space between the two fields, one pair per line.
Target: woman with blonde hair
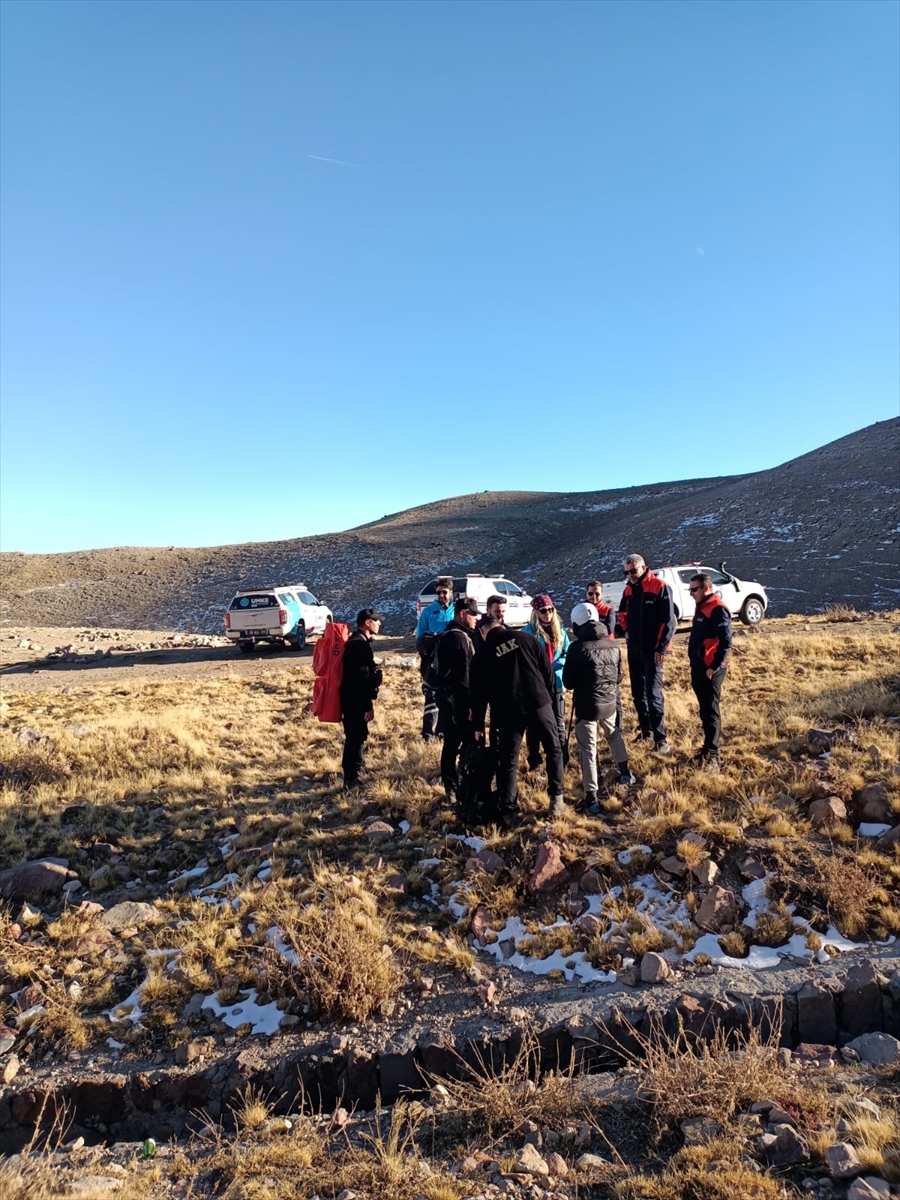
547,628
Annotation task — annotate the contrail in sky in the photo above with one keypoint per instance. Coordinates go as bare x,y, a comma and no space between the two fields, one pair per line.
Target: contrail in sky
339,162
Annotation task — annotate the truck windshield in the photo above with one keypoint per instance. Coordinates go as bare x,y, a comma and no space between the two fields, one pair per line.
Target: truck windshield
263,600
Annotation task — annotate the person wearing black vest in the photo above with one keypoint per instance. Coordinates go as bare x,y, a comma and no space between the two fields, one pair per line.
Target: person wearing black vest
708,649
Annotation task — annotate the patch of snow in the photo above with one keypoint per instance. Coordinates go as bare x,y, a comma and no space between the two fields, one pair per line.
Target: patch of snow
263,1017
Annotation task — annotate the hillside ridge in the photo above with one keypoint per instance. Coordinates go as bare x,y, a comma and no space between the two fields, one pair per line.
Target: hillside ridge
822,528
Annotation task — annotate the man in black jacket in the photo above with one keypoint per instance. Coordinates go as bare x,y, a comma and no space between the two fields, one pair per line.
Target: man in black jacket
359,688
455,650
592,673
647,614
708,649
514,677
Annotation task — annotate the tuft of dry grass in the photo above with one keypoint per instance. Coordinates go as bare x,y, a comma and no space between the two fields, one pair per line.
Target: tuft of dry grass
499,1100
342,947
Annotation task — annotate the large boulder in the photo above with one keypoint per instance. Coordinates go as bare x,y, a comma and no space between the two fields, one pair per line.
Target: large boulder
42,877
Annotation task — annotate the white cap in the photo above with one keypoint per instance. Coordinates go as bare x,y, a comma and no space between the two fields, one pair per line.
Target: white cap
584,612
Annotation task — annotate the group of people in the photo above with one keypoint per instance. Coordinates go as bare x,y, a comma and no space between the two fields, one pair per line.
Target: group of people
477,666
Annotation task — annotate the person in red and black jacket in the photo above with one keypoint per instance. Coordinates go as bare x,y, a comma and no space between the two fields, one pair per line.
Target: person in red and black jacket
708,650
647,615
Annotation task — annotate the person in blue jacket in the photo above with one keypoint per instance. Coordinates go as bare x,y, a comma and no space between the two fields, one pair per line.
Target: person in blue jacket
433,620
547,628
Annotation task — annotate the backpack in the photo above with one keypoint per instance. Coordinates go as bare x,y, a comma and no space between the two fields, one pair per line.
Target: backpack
328,668
429,668
476,799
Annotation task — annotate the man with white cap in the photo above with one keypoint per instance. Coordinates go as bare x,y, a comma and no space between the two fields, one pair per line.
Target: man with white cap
592,673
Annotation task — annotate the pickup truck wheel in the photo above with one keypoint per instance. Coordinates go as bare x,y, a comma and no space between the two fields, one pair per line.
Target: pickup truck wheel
298,641
752,611
245,647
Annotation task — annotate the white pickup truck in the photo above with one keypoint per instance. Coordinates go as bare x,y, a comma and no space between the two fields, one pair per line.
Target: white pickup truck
284,615
747,601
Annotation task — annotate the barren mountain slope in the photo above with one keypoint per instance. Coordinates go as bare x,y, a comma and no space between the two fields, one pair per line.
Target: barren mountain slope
820,529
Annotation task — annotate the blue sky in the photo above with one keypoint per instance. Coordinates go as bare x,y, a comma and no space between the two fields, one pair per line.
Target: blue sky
565,246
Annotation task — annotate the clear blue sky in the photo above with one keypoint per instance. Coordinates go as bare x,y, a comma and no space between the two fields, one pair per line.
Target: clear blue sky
566,246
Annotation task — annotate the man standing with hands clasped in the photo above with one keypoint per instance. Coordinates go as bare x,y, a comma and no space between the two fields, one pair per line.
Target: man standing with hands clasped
708,649
359,690
647,614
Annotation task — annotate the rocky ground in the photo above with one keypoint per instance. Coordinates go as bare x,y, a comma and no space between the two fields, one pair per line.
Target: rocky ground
170,819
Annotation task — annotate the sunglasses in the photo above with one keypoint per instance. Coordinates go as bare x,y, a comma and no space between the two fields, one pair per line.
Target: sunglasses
549,610
443,592
633,571
695,588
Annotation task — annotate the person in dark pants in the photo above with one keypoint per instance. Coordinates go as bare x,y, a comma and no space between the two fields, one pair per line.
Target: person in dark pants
607,614
708,649
593,672
647,614
432,622
455,651
359,690
546,627
513,675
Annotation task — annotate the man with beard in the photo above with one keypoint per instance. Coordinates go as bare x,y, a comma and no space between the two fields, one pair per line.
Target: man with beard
647,614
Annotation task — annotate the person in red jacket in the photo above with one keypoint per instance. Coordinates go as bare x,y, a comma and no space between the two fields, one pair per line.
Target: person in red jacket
647,614
708,649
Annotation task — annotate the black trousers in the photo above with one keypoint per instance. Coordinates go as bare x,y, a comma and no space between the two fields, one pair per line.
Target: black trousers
533,745
457,735
356,730
708,693
509,743
432,715
646,691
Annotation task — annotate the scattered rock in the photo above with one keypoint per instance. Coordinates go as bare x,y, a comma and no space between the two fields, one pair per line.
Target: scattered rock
870,1187
10,1068
827,811
591,883
557,1164
549,872
396,885
485,860
876,1049
589,1162
379,831
101,879
784,1148
706,873
129,913
718,908
90,1184
826,739
531,1161
95,941
873,803
698,1130
843,1161
654,968
673,866
481,924
42,877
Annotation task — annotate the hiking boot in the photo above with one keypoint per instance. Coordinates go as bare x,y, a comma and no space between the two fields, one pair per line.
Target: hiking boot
557,806
625,775
662,748
588,802
711,764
